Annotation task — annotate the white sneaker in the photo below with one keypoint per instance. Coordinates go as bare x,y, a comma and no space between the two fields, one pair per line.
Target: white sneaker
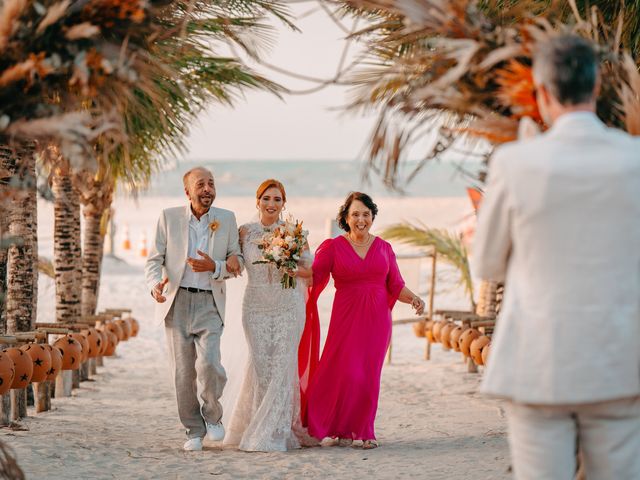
193,445
215,431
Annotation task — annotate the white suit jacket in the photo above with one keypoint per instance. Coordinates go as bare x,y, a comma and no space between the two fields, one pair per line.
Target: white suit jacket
168,253
560,225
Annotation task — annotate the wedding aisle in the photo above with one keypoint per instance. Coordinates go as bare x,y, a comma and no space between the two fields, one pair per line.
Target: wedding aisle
431,423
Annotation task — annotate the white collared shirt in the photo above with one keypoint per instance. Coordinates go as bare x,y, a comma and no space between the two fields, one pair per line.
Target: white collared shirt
199,234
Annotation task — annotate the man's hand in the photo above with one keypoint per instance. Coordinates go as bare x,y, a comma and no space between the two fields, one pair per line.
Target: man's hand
156,293
233,265
205,264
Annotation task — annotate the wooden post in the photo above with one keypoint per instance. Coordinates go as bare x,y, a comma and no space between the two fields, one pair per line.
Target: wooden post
432,292
5,409
471,366
92,366
85,371
41,396
75,379
390,347
63,384
99,362
18,404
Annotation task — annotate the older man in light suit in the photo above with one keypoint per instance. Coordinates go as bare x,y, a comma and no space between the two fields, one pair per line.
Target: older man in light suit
560,225
196,248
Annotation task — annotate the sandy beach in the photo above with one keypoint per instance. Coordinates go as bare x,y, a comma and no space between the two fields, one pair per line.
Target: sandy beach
431,421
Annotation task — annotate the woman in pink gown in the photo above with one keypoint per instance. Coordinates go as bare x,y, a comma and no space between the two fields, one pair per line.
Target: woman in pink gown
340,391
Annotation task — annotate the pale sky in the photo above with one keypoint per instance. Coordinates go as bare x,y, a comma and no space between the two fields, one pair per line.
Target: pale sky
261,126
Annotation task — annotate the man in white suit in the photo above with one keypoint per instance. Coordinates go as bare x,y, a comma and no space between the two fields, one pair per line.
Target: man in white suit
196,248
560,225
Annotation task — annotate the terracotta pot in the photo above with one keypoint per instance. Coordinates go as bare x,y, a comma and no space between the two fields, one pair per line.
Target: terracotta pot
56,362
135,327
94,340
468,336
84,343
125,325
7,372
41,359
454,336
475,350
71,351
23,365
112,342
419,329
115,328
485,353
102,342
445,332
437,327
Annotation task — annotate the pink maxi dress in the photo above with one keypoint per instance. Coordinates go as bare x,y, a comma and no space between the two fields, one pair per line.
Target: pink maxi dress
339,392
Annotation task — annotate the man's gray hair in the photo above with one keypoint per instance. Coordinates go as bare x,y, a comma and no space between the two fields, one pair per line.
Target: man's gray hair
567,66
185,177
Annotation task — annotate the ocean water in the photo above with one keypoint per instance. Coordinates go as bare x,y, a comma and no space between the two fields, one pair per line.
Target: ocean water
315,178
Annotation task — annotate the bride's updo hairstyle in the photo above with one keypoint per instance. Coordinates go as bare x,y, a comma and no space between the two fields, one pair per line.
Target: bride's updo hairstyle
267,184
344,209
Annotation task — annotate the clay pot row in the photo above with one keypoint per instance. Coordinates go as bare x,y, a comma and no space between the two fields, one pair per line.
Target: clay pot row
35,362
469,341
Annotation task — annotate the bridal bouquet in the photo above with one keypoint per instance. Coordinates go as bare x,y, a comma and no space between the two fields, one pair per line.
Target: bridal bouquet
283,247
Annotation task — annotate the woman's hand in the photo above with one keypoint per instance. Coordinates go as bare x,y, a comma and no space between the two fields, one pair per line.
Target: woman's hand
418,305
304,272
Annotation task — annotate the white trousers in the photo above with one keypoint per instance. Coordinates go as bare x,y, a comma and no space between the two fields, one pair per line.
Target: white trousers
544,440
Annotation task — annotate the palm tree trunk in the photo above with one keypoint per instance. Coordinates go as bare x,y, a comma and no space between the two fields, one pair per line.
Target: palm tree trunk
97,195
6,165
22,266
67,253
22,255
91,261
3,282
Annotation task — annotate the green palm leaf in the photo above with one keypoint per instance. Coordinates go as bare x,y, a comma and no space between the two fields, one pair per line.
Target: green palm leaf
448,245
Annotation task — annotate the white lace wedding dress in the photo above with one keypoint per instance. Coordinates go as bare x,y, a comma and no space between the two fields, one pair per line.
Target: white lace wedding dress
267,410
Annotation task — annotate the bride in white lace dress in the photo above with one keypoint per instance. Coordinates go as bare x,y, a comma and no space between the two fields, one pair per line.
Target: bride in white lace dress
268,408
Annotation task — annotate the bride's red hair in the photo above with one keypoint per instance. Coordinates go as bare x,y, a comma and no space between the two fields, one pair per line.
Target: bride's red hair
267,184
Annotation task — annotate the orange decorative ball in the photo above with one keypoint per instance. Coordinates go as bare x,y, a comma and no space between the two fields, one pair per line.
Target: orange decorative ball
56,362
84,343
71,351
94,340
437,327
23,365
41,360
445,333
112,342
102,342
115,328
476,348
485,353
7,372
419,329
454,336
468,336
126,329
135,327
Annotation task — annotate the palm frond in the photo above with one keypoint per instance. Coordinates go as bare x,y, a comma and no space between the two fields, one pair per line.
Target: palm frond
448,245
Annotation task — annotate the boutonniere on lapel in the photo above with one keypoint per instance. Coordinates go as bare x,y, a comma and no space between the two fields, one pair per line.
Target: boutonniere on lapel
213,226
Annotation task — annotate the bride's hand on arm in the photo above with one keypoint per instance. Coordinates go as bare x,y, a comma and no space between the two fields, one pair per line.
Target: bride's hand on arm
303,272
304,269
407,296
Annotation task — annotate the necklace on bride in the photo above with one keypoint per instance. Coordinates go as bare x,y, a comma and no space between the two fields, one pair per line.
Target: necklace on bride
356,244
